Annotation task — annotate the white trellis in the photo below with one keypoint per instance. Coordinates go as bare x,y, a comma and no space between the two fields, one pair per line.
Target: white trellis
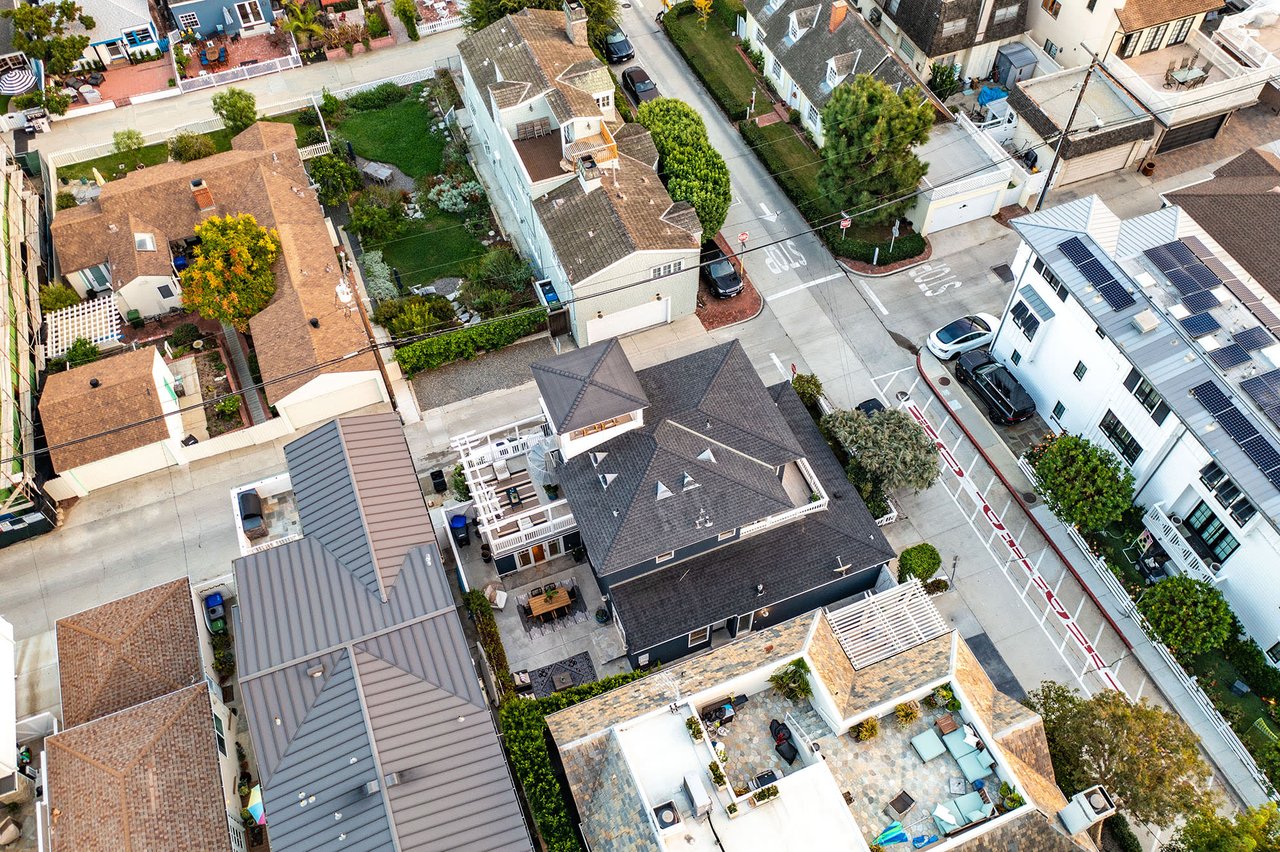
887,623
95,320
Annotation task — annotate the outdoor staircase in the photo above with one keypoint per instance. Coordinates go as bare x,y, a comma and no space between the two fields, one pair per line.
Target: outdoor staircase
244,379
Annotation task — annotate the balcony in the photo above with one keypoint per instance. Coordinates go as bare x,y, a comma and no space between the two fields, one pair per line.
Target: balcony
1180,549
1222,83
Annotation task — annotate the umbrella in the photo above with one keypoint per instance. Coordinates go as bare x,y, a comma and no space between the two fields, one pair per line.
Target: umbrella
226,16
892,834
97,176
17,81
255,805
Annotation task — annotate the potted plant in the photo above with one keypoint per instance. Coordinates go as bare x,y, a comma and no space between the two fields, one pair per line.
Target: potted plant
578,553
792,680
553,491
1012,803
243,790
224,664
764,794
694,727
907,712
740,790
867,729
602,615
733,810
717,775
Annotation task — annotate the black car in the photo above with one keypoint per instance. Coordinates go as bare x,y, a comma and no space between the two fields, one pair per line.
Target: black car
719,273
637,84
870,406
1006,400
617,47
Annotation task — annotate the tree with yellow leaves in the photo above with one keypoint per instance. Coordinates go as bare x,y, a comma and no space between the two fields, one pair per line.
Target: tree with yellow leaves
230,278
703,8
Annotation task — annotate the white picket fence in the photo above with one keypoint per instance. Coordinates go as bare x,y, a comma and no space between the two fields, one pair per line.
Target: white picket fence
242,72
452,22
317,150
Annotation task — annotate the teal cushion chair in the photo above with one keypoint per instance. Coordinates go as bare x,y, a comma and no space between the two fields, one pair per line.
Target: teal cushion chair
928,745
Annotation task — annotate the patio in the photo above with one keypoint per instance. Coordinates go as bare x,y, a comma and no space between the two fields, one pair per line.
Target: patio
1153,66
438,12
749,744
122,81
240,52
279,513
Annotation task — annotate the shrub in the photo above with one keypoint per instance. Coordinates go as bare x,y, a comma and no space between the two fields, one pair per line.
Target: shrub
407,12
943,80
228,406
458,482
377,214
1190,616
188,146
904,247
936,587
55,297
694,171
377,278
1082,483
184,334
237,108
694,727
491,641
309,117
867,729
65,201
82,351
717,774
335,177
466,343
331,106
421,315
1125,840
792,680
456,196
907,712
808,387
498,284
921,561
733,103
379,97
376,20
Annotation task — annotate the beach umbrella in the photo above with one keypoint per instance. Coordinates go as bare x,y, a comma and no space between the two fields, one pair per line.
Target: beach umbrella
17,81
226,16
97,176
892,834
255,805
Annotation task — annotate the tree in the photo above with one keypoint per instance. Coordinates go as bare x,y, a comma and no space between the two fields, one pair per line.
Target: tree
869,133
943,80
376,214
40,31
921,561
52,100
336,177
407,12
808,387
1251,830
230,278
479,14
302,20
128,143
1145,755
237,108
890,446
55,297
377,276
1082,483
694,171
1190,616
82,351
703,8
187,147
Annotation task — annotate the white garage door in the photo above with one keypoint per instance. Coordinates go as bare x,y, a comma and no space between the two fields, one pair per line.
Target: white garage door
960,210
628,320
1097,163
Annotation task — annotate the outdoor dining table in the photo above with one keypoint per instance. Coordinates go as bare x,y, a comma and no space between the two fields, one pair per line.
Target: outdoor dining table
540,604
1187,76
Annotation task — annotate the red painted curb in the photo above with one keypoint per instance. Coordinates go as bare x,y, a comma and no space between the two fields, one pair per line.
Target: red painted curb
1025,508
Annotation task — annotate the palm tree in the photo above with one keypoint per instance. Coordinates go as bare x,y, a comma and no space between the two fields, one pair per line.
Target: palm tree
303,21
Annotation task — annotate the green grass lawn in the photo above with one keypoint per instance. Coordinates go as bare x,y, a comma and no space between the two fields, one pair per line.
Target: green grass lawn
108,166
435,247
1215,676
711,53
399,135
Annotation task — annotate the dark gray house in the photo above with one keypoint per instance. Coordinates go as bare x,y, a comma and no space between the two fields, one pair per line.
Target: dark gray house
707,502
365,708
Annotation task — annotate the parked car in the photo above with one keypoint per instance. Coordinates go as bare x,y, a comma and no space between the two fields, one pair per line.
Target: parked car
870,406
636,82
1006,400
718,272
963,335
617,47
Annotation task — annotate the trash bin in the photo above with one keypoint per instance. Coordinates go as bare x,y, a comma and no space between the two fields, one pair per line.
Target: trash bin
458,529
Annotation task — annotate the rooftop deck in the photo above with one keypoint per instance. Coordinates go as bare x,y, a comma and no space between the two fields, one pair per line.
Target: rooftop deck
1153,66
279,514
541,156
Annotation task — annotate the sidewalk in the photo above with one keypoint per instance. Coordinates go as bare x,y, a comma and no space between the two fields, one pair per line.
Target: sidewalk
1117,611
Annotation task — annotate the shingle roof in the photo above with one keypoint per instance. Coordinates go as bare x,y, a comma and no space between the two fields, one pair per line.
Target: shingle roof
1240,208
708,401
659,605
72,409
1140,14
127,651
587,386
146,778
614,816
1031,832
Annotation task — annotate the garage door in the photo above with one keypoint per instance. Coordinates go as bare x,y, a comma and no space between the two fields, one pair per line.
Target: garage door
1196,131
1097,163
947,215
628,320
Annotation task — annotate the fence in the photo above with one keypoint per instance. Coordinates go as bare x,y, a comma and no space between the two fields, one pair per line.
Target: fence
1130,609
317,150
243,72
452,22
406,79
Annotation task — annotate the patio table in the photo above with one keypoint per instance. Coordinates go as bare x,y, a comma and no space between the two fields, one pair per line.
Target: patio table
540,604
947,724
377,171
561,680
513,496
1187,76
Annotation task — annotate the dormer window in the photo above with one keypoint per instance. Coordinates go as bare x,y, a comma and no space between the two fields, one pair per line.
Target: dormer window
950,28
662,491
832,76
144,242
606,479
793,32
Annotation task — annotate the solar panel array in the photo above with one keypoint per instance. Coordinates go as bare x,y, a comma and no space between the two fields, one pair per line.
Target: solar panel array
1096,273
1198,325
1254,338
1233,284
1229,356
1258,448
1264,390
1185,271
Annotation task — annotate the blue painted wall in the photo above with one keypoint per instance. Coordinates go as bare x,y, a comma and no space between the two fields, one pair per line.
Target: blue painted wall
210,14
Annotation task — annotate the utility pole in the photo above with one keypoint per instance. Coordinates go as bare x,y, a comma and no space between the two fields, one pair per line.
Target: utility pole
1062,138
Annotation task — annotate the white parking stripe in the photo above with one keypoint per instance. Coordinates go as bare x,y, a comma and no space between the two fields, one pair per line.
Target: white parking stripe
872,297
799,287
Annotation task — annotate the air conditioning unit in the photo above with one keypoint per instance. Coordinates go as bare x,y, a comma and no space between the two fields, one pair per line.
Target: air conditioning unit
875,16
1087,808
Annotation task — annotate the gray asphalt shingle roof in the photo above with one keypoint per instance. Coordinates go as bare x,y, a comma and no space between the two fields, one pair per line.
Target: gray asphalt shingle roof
587,386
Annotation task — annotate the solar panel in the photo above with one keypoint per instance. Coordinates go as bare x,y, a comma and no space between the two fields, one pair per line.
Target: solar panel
1095,272
1162,258
1181,253
1076,251
1229,356
1254,338
1265,316
1240,290
1262,453
1273,414
1199,248
1203,275
1182,279
1235,424
1274,477
1261,392
1202,300
1115,294
1218,267
1198,325
1211,397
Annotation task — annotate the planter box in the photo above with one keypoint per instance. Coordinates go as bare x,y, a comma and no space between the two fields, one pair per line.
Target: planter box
337,53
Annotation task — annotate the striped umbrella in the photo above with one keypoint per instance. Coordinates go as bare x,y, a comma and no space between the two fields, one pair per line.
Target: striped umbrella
17,81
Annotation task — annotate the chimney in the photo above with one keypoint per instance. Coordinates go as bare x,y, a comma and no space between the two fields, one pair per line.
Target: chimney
1086,809
202,194
575,22
838,10
589,174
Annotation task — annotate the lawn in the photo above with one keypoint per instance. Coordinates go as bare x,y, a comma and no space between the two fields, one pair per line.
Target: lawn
712,54
399,134
435,247
148,155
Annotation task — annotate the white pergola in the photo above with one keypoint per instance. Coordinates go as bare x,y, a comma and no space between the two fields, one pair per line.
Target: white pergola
886,623
95,320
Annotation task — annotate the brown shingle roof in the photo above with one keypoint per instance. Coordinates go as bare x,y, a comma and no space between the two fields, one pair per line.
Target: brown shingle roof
71,409
146,778
1140,14
1240,209
128,651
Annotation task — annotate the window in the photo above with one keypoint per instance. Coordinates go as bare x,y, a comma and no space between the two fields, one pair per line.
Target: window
1155,38
666,557
1008,13
1053,7
1180,31
950,28
811,114
1211,475
133,38
1050,48
667,269
1211,532
793,31
726,535
1016,357
219,736
775,70
144,242
1080,370
1242,510
1120,437
250,13
832,76
744,624
189,21
1058,410
1227,493
1024,319
1049,278
699,636
1147,397
892,8
1274,653
604,101
165,291
1128,45
907,50
1089,6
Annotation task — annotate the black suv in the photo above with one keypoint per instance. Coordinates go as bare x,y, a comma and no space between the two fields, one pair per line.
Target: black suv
617,47
1006,400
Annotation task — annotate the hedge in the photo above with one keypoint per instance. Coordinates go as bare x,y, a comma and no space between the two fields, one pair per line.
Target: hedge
732,104
905,247
759,143
491,641
922,561
379,97
467,343
524,730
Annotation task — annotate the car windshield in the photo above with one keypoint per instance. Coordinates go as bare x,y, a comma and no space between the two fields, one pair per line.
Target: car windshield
959,328
644,85
722,269
616,37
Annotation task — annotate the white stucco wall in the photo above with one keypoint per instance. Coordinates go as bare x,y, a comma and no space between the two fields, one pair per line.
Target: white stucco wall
142,294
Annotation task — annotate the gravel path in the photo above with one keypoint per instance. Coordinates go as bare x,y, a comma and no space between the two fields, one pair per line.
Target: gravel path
492,371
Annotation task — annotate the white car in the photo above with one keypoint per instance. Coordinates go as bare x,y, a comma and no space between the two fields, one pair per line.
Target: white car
963,335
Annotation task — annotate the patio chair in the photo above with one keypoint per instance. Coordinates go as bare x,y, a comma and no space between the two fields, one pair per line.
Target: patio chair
549,589
222,56
204,60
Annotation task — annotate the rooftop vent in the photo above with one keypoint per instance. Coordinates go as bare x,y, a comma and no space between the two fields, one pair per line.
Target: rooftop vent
202,194
662,491
1145,321
707,456
596,458
686,482
606,478
1087,808
316,671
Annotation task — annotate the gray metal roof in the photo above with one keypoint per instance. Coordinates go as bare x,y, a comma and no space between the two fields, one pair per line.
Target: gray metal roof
1166,356
343,686
589,385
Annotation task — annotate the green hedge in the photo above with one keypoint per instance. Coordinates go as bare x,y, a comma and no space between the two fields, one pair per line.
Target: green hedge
490,640
733,104
467,343
904,248
524,730
789,178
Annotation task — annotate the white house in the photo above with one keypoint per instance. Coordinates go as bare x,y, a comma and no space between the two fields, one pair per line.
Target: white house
592,214
122,29
1147,337
1072,32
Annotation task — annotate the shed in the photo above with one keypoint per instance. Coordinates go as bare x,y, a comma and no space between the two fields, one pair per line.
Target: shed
1014,62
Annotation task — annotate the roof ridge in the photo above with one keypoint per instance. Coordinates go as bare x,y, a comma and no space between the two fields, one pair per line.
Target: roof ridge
369,650
364,522
729,350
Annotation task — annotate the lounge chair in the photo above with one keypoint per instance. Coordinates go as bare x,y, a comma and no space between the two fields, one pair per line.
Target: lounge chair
204,60
928,745
965,810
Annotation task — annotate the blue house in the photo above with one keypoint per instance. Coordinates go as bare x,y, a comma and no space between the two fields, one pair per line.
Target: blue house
212,17
122,28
